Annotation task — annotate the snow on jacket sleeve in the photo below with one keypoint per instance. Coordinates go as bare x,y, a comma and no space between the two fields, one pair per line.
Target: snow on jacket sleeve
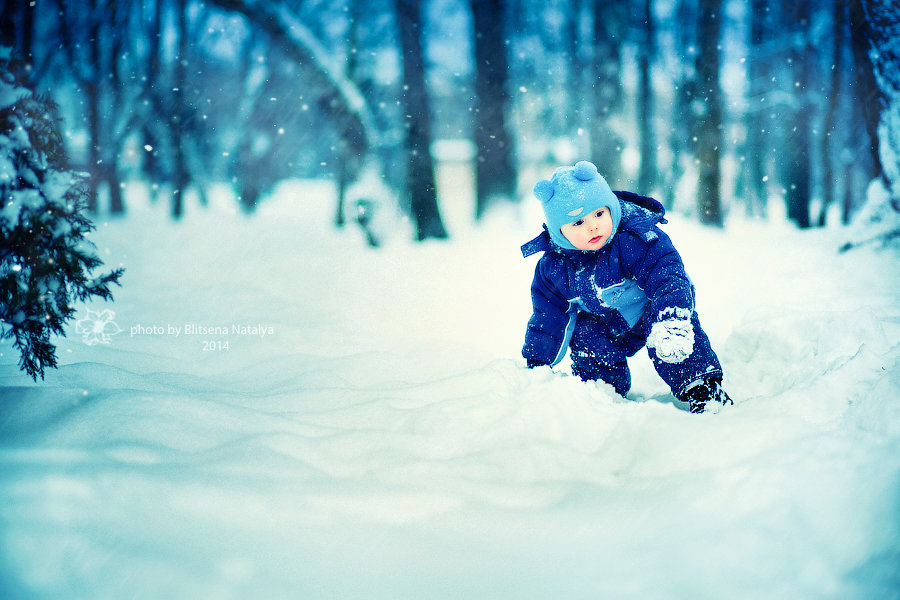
547,325
660,272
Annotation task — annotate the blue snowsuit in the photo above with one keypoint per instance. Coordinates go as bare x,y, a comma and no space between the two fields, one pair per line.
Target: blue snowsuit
602,304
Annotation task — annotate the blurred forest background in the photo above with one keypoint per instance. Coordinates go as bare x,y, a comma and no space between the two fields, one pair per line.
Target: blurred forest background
709,105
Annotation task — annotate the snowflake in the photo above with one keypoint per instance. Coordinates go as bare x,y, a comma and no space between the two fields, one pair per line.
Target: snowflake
97,327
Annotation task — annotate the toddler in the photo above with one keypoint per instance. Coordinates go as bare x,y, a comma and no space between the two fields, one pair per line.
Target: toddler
609,283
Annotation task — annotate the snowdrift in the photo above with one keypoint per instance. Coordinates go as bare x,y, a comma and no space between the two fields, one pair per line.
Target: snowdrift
284,413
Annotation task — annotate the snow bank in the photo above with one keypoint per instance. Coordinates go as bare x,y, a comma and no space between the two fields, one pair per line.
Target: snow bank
370,431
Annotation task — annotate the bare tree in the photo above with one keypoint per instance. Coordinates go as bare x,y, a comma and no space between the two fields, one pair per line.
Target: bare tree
709,123
874,27
180,177
647,37
93,55
759,69
606,68
349,110
419,162
17,28
495,173
348,165
829,180
797,166
681,116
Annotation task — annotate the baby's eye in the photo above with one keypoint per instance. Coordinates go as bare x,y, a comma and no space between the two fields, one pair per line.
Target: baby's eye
600,212
578,222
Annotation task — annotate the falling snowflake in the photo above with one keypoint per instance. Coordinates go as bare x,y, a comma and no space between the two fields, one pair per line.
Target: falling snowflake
97,327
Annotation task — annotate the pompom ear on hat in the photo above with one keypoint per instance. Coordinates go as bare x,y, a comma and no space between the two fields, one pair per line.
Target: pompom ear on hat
584,170
570,194
543,190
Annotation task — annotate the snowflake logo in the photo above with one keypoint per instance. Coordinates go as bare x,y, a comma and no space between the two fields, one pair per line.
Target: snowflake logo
97,327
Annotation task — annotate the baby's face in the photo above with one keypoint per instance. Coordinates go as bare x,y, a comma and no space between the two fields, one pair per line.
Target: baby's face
591,231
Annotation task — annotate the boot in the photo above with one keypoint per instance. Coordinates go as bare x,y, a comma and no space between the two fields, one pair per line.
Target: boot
706,395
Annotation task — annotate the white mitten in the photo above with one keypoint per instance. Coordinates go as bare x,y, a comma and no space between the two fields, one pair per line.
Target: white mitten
672,338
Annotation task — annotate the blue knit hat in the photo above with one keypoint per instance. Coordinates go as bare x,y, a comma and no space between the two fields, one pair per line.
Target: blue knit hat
572,193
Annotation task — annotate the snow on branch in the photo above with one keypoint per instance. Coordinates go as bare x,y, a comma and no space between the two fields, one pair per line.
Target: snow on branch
47,264
351,112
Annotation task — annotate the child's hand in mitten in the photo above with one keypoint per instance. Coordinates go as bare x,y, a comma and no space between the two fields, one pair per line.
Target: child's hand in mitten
673,339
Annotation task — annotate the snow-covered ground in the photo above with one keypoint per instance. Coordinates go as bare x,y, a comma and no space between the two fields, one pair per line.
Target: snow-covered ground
370,431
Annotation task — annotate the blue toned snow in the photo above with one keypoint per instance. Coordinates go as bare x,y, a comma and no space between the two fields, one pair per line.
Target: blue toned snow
385,442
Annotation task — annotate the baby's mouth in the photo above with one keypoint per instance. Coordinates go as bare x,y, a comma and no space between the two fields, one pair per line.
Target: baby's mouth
596,239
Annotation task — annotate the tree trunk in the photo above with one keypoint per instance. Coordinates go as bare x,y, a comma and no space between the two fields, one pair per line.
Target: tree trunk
180,177
647,174
758,129
344,173
797,151
419,162
8,25
17,29
153,167
877,32
28,32
92,87
709,123
882,25
829,182
495,175
117,90
606,144
870,96
681,117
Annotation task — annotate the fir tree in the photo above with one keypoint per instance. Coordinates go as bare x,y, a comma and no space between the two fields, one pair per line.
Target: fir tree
46,261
